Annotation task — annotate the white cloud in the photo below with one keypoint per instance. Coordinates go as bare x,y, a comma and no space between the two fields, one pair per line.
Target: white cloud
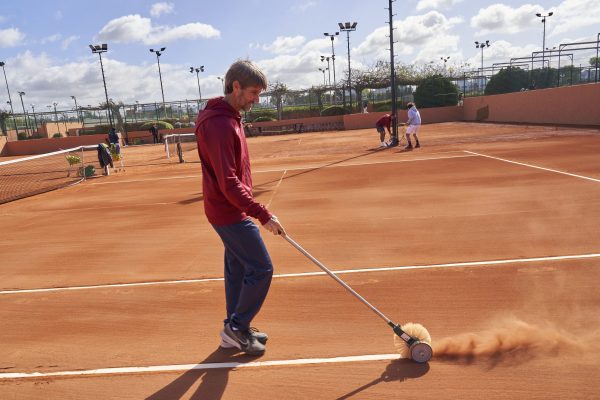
161,8
58,15
51,39
284,44
436,4
573,14
10,37
425,32
305,5
135,28
505,19
67,42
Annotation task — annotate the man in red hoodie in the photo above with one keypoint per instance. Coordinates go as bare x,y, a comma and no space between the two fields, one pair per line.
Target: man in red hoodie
381,125
229,204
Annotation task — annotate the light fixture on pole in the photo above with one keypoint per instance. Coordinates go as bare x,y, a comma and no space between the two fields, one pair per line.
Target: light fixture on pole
348,27
323,58
76,109
99,49
222,83
2,64
481,46
332,36
34,118
158,54
543,17
54,103
198,70
323,71
21,94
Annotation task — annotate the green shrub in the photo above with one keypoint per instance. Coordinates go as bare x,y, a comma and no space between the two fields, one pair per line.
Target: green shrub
264,119
161,125
334,110
57,135
22,136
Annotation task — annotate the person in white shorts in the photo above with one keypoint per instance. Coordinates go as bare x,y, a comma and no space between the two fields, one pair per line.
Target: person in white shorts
414,123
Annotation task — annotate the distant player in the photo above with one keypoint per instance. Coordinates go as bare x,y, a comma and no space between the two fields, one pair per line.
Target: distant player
381,125
414,123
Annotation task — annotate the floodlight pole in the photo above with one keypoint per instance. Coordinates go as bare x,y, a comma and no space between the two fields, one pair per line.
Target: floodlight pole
481,46
34,117
2,64
348,27
222,83
56,116
21,94
394,140
543,17
158,54
332,36
198,70
99,49
76,109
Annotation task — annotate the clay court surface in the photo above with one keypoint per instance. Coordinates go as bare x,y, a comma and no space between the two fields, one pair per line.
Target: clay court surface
501,222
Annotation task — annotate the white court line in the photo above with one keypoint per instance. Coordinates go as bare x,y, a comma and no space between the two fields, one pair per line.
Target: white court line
304,167
306,274
188,367
275,190
534,166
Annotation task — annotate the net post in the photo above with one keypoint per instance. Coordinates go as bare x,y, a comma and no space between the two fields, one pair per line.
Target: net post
83,163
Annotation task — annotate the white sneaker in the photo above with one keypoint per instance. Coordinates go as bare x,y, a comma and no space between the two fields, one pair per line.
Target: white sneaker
382,145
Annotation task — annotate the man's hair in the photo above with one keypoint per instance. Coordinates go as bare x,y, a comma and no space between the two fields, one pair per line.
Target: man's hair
409,105
246,73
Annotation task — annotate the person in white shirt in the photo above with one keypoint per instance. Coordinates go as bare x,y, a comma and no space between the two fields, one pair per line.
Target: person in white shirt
414,123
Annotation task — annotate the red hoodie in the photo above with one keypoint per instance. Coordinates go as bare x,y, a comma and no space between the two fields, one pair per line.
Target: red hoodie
226,178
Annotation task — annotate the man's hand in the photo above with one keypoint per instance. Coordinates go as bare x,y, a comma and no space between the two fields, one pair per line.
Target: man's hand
274,226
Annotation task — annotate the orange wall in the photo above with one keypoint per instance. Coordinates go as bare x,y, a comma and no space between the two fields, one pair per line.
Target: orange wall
3,140
40,146
428,116
47,129
310,120
571,105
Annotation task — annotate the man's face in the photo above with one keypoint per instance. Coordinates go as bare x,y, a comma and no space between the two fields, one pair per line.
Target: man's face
245,98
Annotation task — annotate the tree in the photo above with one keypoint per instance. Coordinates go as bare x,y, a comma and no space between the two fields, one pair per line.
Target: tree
595,62
3,118
278,90
436,91
510,79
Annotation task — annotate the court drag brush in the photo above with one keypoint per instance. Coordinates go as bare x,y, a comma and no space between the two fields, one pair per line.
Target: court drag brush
411,340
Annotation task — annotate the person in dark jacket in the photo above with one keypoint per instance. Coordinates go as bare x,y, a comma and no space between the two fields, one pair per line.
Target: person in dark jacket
229,204
154,131
104,158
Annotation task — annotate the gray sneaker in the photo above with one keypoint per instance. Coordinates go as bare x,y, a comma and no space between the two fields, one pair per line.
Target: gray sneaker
243,340
262,337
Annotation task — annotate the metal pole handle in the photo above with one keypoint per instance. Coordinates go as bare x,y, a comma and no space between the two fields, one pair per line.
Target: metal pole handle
334,276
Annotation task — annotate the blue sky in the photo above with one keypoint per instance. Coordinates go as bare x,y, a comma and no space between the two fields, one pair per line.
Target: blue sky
45,43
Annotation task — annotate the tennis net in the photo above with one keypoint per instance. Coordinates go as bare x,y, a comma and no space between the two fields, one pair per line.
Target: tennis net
24,177
181,146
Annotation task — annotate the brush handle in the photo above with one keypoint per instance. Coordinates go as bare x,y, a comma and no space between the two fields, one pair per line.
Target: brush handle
334,276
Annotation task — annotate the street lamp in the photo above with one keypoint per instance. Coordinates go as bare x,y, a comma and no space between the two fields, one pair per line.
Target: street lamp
34,118
222,82
2,64
158,54
21,94
198,70
323,58
481,46
54,103
323,71
543,17
348,27
332,36
76,108
99,49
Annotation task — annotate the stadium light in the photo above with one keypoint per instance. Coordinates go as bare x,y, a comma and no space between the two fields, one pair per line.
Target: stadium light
21,94
481,46
2,64
348,27
323,71
543,17
54,103
222,83
99,49
332,36
323,58
79,119
198,70
34,117
158,54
